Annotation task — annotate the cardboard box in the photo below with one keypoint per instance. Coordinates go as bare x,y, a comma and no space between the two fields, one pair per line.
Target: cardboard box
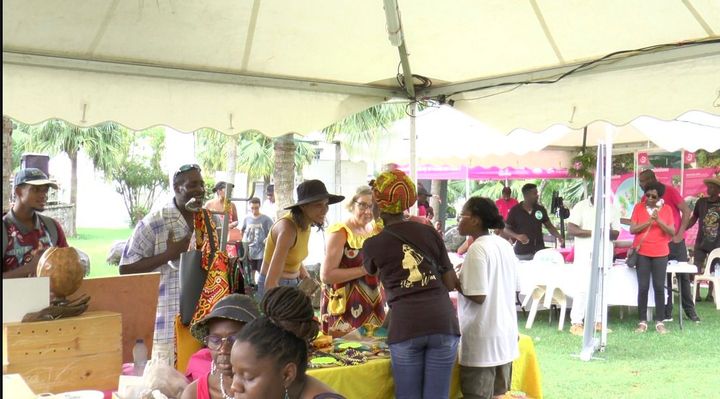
83,352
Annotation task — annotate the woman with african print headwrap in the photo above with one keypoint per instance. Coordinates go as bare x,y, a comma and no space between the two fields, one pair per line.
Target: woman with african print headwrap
412,264
351,298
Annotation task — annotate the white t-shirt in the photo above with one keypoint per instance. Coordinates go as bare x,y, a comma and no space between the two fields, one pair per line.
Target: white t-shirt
269,208
489,331
583,216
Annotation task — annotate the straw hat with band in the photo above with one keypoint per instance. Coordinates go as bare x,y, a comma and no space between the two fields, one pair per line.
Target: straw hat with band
235,307
314,190
713,180
394,192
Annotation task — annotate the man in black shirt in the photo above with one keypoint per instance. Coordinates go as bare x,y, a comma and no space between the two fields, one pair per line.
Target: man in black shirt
524,224
707,214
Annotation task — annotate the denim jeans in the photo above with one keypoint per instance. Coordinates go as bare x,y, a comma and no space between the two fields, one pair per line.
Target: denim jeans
293,282
422,366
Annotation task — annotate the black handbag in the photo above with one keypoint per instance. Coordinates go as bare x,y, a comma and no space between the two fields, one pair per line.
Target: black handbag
193,276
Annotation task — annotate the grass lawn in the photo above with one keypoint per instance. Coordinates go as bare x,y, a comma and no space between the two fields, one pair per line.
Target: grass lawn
677,365
680,364
96,243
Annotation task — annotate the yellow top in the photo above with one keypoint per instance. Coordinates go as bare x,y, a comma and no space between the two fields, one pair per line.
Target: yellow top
355,241
298,252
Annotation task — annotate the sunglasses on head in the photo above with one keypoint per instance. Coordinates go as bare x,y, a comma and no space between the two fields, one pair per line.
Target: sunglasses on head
187,167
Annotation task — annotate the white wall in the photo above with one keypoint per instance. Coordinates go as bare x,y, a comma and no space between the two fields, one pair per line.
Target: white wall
99,205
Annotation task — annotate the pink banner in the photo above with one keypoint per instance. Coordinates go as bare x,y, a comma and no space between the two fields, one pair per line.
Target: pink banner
623,187
479,173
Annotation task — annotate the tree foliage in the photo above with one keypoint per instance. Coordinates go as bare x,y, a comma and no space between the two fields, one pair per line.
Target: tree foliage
100,142
255,154
364,128
137,175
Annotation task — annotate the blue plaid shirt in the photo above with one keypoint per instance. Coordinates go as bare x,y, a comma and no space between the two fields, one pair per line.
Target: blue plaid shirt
149,239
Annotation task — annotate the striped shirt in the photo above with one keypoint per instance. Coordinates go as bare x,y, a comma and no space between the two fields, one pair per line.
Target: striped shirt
150,239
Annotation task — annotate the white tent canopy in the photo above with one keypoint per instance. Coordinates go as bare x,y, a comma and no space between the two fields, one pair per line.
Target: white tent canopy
448,137
297,66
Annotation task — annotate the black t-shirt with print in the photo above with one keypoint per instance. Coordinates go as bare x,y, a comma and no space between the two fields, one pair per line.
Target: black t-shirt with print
419,301
708,216
530,223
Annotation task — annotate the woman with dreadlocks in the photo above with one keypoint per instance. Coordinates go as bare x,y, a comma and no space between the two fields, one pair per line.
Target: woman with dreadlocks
270,354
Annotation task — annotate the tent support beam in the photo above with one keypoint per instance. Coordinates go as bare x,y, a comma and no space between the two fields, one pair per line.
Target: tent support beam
673,54
188,74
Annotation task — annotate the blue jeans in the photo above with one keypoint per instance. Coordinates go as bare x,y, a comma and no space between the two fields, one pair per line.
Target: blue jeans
293,282
422,366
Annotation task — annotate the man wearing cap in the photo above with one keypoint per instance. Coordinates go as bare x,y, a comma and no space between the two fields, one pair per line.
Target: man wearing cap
707,213
156,244
27,233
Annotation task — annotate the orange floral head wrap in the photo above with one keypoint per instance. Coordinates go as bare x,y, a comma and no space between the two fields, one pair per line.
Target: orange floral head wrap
394,192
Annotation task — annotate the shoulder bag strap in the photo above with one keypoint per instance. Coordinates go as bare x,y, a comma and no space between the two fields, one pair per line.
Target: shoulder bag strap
50,227
431,260
643,238
211,236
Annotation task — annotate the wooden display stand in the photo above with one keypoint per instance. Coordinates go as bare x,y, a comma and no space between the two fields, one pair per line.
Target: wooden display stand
83,352
134,296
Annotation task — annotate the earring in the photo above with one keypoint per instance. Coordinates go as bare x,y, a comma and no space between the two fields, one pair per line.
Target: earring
287,396
213,368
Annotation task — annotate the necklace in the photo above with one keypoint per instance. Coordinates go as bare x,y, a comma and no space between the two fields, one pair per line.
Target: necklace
222,388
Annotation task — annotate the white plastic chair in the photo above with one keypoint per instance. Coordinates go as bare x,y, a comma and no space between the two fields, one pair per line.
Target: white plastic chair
709,277
558,297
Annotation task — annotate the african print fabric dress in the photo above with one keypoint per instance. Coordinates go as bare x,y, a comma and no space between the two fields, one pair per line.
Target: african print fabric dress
365,297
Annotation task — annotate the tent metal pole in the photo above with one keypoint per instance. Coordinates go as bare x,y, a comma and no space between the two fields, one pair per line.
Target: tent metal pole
608,247
467,183
682,172
413,152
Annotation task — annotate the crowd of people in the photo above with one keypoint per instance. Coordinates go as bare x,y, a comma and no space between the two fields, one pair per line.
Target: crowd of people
379,261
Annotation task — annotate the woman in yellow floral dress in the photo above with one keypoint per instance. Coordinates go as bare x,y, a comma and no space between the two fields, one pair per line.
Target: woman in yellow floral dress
345,278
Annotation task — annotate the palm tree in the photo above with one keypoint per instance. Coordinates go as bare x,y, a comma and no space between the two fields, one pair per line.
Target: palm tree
365,127
284,175
100,142
252,152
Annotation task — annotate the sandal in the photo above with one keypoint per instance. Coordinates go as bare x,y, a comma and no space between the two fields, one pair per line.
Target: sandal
641,328
660,328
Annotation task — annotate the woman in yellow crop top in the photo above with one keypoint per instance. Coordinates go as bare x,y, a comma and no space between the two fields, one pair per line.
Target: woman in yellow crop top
287,244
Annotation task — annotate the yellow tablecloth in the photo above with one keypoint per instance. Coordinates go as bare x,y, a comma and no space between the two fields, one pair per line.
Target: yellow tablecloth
373,380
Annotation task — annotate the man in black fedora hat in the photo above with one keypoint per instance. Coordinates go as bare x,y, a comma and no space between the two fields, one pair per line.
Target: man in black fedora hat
287,244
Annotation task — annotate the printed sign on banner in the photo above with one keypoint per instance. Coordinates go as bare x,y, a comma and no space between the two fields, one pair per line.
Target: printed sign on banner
623,187
643,159
689,157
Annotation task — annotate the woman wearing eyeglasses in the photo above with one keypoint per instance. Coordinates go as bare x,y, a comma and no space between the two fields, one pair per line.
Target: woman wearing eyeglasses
218,331
652,224
350,297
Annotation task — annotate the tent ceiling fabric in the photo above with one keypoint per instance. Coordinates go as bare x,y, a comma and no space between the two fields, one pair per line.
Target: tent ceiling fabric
297,66
467,141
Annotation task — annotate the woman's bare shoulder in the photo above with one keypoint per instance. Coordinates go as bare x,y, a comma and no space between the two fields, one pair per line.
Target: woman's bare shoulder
315,387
